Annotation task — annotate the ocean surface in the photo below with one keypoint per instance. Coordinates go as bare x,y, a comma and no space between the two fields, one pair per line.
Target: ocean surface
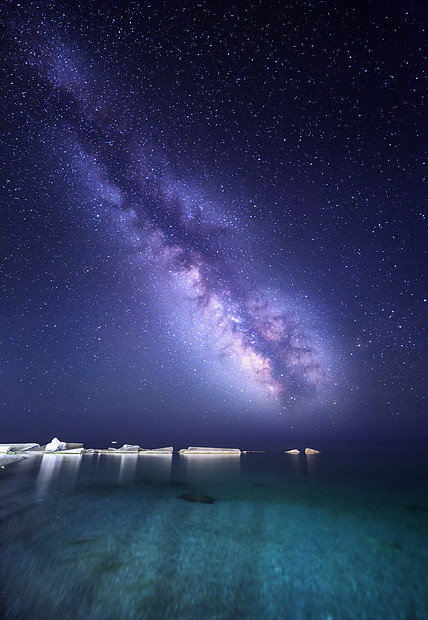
341,535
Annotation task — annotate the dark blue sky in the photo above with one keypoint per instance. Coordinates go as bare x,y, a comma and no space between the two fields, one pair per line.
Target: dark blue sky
212,222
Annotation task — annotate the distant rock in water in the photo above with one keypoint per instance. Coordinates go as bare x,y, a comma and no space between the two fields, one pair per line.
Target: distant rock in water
134,449
206,450
201,498
167,450
311,451
295,451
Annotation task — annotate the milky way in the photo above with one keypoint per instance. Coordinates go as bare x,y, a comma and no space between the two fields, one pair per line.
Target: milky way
186,237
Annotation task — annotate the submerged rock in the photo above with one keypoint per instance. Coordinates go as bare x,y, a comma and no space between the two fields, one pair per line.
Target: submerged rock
201,498
414,508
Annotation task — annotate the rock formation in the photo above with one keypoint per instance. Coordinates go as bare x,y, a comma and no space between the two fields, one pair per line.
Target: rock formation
5,448
129,448
167,450
196,450
55,445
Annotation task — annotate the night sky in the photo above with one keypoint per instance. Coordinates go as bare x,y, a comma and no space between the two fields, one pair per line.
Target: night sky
212,222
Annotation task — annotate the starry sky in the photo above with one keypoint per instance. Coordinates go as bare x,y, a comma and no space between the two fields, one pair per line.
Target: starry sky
212,222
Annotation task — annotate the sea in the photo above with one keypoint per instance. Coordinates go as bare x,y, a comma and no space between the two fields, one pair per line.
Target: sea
340,535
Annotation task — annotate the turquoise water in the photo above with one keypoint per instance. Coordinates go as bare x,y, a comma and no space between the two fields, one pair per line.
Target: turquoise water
335,536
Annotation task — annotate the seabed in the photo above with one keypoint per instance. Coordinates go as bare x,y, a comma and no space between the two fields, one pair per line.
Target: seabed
331,536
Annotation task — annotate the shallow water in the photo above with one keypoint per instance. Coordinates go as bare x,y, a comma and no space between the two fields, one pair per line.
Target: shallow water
342,535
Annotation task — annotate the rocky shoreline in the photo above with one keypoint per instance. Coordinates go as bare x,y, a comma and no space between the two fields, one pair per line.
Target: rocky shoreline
13,452
10,453
8,460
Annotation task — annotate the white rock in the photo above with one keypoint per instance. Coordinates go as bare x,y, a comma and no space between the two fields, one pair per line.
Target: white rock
167,450
206,450
55,445
129,448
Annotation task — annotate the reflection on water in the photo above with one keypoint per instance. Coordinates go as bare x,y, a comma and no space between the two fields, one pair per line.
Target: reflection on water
127,467
197,468
312,461
294,462
156,467
71,465
56,469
